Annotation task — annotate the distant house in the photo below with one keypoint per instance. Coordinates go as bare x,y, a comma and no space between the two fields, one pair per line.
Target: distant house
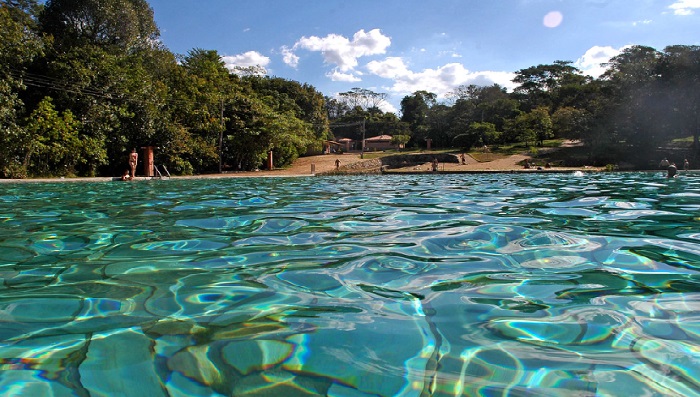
381,142
347,144
332,147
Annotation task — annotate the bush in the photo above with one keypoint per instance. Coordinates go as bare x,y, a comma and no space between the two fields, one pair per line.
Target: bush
15,171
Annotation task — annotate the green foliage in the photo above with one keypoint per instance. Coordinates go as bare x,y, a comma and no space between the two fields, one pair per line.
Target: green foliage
465,141
53,145
538,85
570,122
400,140
82,82
19,46
415,108
117,25
362,98
529,128
485,133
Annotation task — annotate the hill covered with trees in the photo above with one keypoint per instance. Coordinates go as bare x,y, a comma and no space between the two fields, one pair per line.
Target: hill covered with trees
82,83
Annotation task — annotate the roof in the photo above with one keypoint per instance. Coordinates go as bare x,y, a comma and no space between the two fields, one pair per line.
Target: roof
380,138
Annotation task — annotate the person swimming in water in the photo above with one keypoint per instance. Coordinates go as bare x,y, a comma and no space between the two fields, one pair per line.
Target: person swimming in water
671,171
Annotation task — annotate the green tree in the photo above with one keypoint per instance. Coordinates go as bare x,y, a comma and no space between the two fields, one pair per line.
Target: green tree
490,104
680,71
305,102
530,128
363,98
117,25
207,90
538,85
20,45
570,122
634,107
335,108
416,112
486,133
105,66
415,108
400,140
53,144
541,122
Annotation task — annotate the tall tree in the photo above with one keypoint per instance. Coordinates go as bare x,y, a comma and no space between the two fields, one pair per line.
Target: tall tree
680,70
636,100
19,46
363,98
125,25
415,111
335,108
206,90
54,145
530,128
414,108
537,85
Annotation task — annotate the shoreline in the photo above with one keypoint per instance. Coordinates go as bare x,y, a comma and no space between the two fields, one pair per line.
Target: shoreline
325,165
273,174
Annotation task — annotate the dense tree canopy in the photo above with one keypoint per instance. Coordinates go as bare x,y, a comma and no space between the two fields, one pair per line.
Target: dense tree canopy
646,100
85,82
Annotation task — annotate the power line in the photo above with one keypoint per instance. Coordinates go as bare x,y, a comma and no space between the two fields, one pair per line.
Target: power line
41,81
346,124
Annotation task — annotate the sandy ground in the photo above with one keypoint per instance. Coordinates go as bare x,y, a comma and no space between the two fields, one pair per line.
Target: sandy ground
325,163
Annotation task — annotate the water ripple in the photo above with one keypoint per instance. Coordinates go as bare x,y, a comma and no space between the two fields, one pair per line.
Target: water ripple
443,285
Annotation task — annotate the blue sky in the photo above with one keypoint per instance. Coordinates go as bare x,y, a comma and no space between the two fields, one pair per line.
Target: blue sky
398,47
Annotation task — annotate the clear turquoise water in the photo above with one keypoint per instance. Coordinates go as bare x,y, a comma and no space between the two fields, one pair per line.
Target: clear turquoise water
434,285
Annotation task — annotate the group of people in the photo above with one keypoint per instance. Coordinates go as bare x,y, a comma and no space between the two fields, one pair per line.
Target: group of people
527,165
671,168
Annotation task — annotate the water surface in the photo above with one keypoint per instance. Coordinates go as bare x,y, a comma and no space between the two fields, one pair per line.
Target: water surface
424,285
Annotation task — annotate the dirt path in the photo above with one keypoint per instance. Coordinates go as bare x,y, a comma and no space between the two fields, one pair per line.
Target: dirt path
325,163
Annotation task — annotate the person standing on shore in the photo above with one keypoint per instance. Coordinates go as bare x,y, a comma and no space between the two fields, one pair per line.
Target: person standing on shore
133,160
686,165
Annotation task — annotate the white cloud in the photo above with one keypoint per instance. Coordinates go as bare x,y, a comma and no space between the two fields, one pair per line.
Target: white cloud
387,107
591,62
335,75
390,68
342,52
289,57
440,80
250,58
685,7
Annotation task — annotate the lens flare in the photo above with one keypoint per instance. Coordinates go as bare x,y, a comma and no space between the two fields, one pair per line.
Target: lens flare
553,19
